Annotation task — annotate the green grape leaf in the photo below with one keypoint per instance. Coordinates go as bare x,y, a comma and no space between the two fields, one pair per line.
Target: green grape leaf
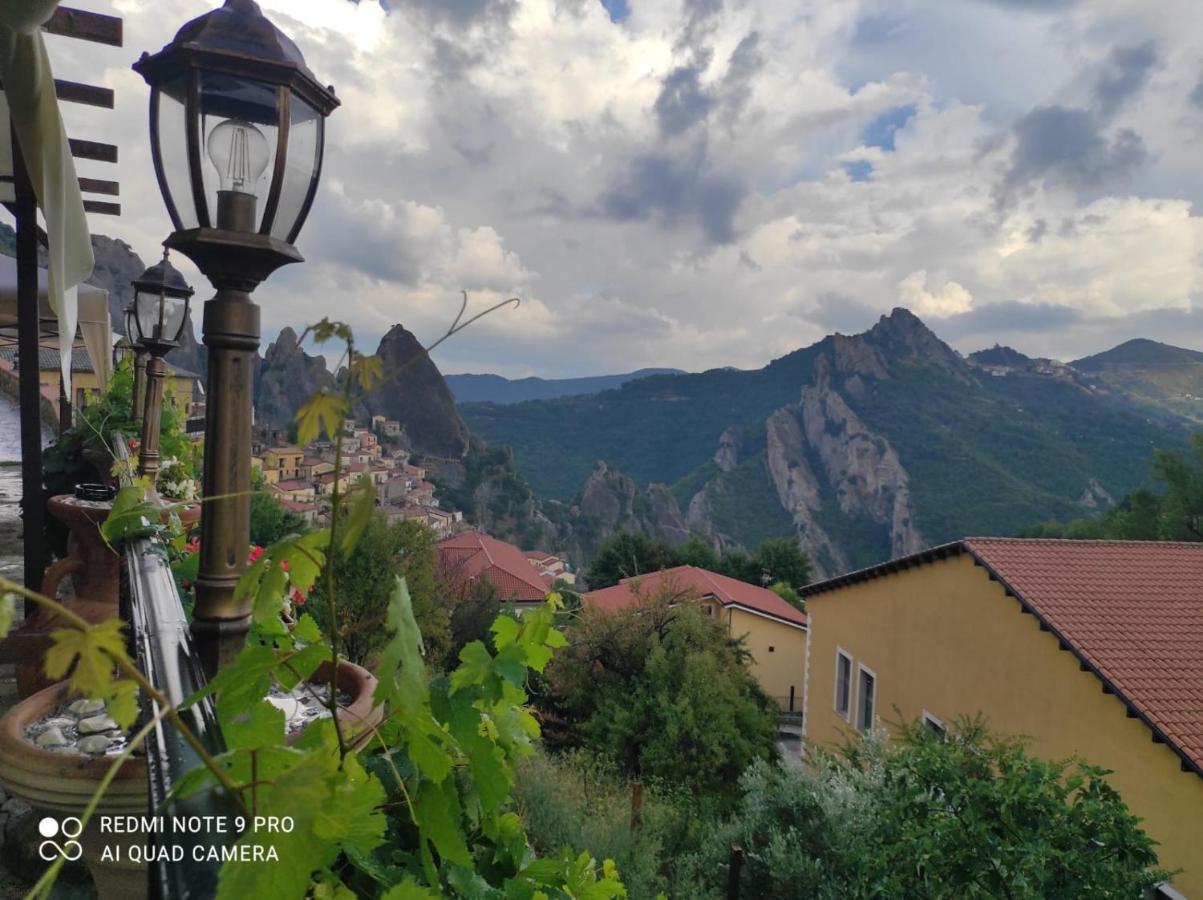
323,411
97,648
425,740
122,702
505,631
438,810
8,612
410,890
475,668
259,725
368,371
307,629
401,672
352,815
361,504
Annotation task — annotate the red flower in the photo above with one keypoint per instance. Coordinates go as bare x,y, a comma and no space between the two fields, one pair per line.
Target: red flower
193,546
298,599
254,553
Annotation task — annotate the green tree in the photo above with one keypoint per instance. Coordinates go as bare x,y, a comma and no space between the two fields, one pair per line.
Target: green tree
627,555
782,559
270,521
384,551
1172,512
663,691
971,816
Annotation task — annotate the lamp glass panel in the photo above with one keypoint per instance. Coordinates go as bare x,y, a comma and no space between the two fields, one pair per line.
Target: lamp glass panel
240,154
305,130
131,328
172,139
175,310
146,304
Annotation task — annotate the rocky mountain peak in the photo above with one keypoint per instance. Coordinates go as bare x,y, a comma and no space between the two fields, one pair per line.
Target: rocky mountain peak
902,336
414,393
288,377
998,355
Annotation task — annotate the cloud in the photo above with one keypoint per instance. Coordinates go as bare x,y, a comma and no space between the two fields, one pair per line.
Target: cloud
1124,74
1061,146
700,184
683,102
671,189
949,299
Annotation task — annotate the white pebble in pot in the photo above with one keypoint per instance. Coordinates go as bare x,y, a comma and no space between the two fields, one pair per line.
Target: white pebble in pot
51,737
96,743
96,724
86,707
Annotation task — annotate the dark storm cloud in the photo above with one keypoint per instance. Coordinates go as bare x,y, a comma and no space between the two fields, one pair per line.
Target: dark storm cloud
671,190
1196,96
1035,5
698,22
744,65
838,312
1009,316
683,102
1125,72
1060,145
459,12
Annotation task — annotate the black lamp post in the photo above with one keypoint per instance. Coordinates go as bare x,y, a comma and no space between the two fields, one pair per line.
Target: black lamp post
139,354
237,125
160,311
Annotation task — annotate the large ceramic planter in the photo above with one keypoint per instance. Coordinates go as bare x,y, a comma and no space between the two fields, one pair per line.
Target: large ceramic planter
61,784
358,720
96,578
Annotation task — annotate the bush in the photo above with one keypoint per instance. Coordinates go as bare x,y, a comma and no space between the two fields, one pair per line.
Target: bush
972,816
664,692
579,800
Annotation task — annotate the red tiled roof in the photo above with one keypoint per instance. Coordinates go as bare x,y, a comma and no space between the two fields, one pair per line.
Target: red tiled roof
471,555
295,485
727,591
1131,611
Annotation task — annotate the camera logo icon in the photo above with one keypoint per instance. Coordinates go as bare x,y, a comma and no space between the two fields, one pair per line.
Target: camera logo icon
69,829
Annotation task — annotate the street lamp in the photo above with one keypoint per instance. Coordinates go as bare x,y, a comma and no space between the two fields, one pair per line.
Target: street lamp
139,354
160,311
237,126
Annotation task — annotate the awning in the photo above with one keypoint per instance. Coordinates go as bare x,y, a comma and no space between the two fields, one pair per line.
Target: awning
94,322
30,100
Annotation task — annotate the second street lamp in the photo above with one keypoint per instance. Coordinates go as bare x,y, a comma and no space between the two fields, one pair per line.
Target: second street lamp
237,128
131,335
160,312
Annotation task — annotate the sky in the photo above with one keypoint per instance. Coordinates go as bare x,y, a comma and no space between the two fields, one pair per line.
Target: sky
704,183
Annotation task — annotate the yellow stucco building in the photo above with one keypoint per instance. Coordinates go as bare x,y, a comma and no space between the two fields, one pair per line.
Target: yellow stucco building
1090,648
774,632
179,385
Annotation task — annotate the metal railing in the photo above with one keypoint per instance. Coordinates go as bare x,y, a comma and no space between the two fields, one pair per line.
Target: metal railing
161,644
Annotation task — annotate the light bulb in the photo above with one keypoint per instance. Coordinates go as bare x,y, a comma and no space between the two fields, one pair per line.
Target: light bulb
238,150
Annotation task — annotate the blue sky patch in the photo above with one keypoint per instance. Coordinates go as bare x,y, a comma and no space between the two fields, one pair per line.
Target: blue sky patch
618,9
880,132
861,170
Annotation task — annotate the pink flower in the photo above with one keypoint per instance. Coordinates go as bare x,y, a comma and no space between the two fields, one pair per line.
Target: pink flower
298,599
255,552
193,546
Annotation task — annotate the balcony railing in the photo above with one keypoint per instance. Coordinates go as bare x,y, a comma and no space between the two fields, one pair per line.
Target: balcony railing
161,643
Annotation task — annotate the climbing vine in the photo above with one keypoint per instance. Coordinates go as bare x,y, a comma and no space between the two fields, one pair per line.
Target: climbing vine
414,806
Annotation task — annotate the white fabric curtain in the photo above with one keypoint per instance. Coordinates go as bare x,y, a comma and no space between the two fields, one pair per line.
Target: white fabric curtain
33,107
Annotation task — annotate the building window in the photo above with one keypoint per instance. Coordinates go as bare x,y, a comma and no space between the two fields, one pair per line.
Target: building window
866,697
843,683
934,726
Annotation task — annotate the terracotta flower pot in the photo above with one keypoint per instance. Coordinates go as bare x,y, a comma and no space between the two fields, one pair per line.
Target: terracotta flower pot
61,784
358,719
